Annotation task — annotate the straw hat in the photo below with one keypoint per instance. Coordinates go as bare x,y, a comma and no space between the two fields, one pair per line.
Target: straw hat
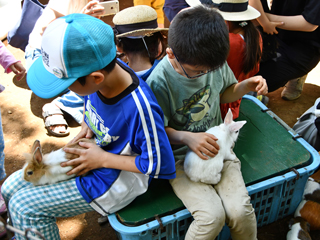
231,10
137,21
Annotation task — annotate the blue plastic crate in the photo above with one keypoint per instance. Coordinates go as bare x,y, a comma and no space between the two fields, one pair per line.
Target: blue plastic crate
272,199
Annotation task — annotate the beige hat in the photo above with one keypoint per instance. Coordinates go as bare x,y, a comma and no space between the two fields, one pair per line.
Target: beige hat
137,21
231,10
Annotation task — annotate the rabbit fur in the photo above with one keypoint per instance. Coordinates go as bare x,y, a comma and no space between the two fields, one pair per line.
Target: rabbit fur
299,229
41,169
309,207
209,171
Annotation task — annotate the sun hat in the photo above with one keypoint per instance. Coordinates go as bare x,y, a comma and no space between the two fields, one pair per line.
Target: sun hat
231,10
72,47
137,21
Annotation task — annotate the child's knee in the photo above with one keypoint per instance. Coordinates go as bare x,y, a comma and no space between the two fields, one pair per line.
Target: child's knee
211,219
6,189
13,184
241,215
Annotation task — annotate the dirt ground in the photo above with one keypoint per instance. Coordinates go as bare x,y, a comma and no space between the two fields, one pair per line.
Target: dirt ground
23,123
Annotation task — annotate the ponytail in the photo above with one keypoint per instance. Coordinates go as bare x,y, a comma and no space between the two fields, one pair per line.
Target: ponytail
253,52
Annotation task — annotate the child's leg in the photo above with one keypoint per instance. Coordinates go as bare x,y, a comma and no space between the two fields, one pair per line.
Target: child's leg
12,185
71,103
240,216
37,207
203,203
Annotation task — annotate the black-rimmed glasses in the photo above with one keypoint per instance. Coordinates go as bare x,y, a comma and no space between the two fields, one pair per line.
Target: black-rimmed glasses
191,77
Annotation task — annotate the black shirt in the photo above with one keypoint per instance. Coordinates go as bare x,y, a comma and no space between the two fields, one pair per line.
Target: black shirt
309,9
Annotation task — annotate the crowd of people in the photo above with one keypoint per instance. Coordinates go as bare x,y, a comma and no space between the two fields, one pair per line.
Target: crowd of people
135,87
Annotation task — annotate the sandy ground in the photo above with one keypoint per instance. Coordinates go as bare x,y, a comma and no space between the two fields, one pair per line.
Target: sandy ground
23,123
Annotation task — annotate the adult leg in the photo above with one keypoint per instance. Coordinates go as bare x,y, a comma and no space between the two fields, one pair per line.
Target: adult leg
37,207
294,61
72,104
240,215
203,203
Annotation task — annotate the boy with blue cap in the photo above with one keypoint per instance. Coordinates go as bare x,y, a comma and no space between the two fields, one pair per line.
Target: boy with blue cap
79,53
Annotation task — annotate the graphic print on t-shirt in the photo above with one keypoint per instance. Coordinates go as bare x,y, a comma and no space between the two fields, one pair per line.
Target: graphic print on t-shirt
194,110
97,125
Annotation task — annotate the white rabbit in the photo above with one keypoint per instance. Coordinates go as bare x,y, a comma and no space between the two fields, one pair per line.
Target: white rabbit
44,169
209,171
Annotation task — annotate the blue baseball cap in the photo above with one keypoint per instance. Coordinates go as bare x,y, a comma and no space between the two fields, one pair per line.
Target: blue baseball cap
72,47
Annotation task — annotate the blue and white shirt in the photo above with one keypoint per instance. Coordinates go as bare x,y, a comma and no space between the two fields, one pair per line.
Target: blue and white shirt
128,124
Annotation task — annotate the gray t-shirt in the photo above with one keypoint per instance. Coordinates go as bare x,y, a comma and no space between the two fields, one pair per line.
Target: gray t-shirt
189,104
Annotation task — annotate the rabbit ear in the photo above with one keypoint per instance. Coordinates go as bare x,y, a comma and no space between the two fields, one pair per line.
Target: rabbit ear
229,117
235,126
35,145
37,155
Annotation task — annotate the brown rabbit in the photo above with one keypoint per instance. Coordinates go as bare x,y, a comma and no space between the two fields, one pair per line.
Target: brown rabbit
45,169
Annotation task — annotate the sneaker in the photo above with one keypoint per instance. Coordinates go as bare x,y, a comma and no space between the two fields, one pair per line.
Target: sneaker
261,98
293,88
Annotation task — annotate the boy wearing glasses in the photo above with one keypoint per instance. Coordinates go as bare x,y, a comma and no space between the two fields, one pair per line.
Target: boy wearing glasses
189,85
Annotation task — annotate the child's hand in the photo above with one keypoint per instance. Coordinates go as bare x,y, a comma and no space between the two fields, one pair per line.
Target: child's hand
94,9
257,84
89,158
203,143
18,69
85,132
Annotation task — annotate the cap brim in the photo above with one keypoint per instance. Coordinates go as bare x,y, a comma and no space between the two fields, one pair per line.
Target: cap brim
142,32
45,84
250,14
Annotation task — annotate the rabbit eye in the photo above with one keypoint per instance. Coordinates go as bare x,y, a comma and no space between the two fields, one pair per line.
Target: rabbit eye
237,131
29,172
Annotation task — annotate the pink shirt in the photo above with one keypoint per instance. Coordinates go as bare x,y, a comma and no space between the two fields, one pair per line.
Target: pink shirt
6,58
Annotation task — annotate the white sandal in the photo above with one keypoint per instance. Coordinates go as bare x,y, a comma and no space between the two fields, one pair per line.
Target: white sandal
53,116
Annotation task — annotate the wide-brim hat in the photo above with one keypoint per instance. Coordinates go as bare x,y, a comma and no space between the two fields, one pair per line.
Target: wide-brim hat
231,10
137,21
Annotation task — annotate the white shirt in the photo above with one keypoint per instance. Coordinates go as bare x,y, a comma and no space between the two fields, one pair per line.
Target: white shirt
60,6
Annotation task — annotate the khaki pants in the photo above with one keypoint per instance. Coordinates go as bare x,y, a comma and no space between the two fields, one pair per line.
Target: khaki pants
213,206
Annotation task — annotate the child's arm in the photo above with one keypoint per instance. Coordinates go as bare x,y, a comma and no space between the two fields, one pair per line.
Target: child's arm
200,142
85,131
103,159
18,69
9,63
293,23
236,91
269,26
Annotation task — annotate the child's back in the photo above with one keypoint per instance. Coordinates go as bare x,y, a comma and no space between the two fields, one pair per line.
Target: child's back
140,43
